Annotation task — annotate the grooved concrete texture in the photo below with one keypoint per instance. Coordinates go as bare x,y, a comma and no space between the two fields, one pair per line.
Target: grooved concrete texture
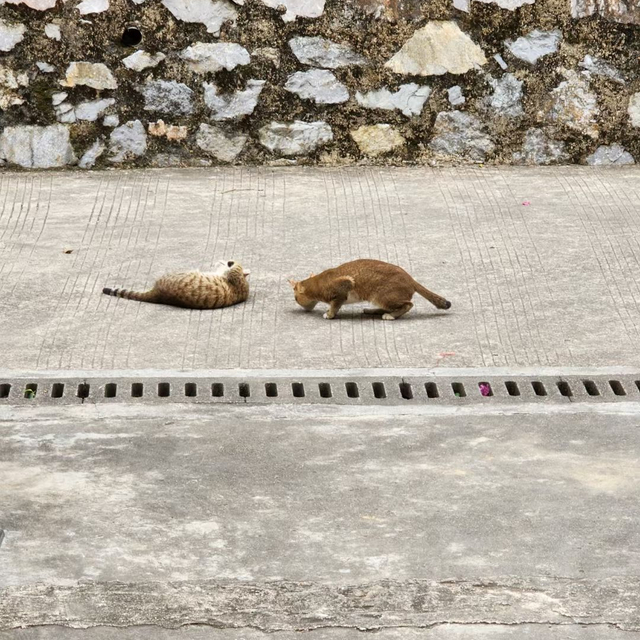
541,266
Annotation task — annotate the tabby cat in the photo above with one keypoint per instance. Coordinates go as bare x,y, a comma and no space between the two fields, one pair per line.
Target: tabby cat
225,286
385,285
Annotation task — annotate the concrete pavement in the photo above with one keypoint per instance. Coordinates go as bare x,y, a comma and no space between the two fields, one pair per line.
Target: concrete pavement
541,266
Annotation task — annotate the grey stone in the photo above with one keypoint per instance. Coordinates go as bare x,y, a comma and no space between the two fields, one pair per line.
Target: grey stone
111,121
93,109
535,45
211,57
510,5
296,138
538,149
10,34
409,99
141,60
460,135
634,109
59,98
624,11
127,141
456,96
462,5
45,67
10,85
436,49
92,74
318,85
171,97
233,105
295,8
599,67
573,105
507,96
52,31
38,5
222,145
92,154
37,147
212,13
87,7
500,60
320,52
378,139
609,155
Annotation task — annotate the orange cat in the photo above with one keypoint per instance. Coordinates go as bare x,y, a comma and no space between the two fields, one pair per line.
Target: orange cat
226,286
385,285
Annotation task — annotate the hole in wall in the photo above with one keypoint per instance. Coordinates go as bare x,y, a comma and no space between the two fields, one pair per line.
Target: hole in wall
131,36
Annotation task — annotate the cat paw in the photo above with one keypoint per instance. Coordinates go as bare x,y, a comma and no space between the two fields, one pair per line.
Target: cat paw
388,316
328,316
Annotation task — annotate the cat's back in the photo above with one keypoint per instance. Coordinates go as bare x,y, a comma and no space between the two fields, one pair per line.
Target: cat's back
198,290
370,275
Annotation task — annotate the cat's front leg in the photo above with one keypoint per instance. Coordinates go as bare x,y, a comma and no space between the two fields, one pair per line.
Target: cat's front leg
334,307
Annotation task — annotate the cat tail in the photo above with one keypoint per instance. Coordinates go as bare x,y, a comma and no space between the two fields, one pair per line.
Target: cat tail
141,296
433,298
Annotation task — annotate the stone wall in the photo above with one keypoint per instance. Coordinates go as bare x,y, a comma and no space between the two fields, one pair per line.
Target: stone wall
104,83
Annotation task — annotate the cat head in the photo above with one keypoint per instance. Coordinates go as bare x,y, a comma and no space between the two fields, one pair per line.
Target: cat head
223,267
302,299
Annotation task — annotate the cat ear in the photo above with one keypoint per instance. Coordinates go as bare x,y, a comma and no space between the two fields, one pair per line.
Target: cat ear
292,282
247,273
312,275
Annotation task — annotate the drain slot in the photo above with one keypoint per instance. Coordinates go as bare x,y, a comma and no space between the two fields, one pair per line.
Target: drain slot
5,390
379,391
191,390
57,390
271,390
110,390
591,388
406,391
431,389
458,390
538,388
83,391
164,389
512,388
297,389
325,390
31,390
565,389
137,390
617,388
352,390
217,390
244,390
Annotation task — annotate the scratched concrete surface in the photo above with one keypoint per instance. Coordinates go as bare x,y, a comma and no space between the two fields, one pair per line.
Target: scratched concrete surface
553,282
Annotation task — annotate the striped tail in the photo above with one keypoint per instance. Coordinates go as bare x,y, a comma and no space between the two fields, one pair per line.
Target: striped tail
142,296
433,298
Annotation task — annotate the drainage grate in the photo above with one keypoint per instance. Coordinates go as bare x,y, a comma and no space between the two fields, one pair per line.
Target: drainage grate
334,389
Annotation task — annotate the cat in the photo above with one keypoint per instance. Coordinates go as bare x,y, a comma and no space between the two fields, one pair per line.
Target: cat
226,286
385,285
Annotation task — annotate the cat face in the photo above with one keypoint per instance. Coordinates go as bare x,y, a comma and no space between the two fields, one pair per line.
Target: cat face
302,299
223,267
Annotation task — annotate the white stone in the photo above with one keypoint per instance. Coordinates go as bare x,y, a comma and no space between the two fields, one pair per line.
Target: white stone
220,144
37,147
92,74
211,13
320,52
462,5
574,106
295,8
507,96
500,60
92,154
409,99
634,109
377,139
318,85
613,154
296,138
460,135
58,98
599,67
535,45
38,5
167,96
9,86
436,49
111,121
127,141
625,11
232,105
141,60
45,67
10,34
456,97
52,31
93,109
511,5
539,149
205,57
92,6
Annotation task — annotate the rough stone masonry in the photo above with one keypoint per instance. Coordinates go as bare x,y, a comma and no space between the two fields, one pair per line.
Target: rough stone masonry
117,83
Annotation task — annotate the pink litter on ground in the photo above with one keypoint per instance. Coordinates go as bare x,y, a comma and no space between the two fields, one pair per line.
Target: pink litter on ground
485,389
526,203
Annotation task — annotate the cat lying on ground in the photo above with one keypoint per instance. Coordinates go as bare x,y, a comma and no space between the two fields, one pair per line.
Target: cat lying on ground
385,285
225,286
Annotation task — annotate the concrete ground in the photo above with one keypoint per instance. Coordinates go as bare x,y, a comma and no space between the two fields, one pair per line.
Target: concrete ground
248,522
541,266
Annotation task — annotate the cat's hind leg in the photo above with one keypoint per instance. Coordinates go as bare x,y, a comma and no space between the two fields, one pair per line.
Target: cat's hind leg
397,313
373,311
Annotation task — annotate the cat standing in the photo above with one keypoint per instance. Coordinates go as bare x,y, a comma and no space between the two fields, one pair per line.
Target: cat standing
388,287
226,286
